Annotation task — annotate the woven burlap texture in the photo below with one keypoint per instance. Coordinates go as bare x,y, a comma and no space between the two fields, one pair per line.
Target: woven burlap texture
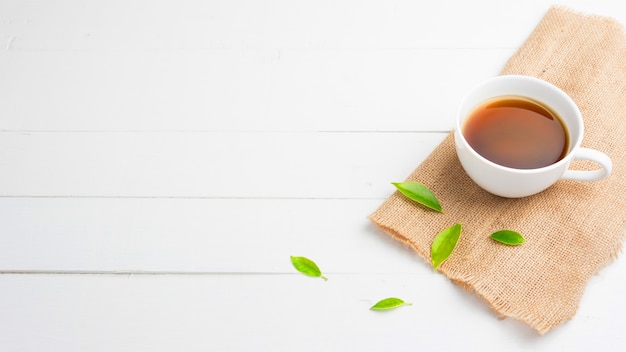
573,229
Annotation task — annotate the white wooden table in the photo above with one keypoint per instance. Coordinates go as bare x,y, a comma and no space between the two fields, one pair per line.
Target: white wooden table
161,160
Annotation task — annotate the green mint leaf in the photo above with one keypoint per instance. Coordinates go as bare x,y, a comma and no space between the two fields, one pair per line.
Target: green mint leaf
389,303
307,267
443,245
419,193
509,237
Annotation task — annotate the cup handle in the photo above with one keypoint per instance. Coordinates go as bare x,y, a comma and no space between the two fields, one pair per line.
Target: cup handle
594,175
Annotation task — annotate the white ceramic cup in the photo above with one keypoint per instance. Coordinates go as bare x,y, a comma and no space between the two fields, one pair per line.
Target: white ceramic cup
514,183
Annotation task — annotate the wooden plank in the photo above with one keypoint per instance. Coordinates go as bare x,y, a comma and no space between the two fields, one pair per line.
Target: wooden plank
195,235
281,312
278,24
209,165
239,90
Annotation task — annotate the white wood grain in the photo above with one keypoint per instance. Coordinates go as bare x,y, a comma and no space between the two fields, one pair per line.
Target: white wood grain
257,24
282,313
214,165
195,235
239,90
249,24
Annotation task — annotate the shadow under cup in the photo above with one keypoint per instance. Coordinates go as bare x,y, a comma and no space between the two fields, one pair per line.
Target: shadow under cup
512,182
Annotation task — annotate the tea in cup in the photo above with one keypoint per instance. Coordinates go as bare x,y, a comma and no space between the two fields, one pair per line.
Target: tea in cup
517,135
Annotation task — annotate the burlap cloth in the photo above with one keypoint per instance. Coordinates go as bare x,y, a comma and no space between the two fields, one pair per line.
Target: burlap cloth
573,229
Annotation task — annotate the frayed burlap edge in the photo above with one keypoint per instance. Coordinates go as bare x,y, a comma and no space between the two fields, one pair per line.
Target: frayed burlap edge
469,283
